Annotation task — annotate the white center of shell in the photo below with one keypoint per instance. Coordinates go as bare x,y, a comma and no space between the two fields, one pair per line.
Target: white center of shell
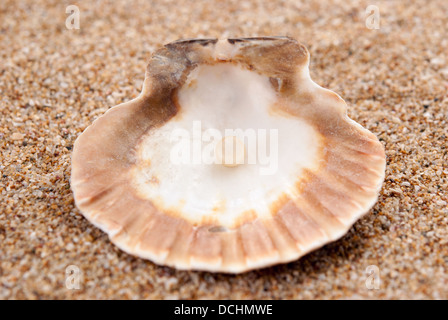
230,151
261,159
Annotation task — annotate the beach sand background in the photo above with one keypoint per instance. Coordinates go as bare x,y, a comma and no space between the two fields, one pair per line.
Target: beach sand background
55,81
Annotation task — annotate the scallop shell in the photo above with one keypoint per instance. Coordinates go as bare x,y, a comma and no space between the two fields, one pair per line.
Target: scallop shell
198,216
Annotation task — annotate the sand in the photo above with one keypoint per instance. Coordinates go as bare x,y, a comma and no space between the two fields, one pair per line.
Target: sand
55,81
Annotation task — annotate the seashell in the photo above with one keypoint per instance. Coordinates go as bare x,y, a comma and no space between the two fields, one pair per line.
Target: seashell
221,212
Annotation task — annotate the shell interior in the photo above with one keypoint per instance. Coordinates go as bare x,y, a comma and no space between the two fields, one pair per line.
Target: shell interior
151,173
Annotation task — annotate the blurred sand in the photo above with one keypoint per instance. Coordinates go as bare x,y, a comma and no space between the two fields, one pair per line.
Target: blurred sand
54,82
